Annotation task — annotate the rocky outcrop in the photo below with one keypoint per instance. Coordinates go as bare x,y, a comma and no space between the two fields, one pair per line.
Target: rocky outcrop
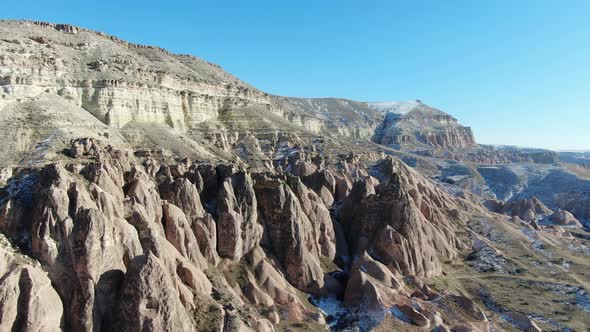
470,307
238,228
179,233
527,209
412,315
102,229
219,240
563,218
145,307
419,125
120,82
28,302
109,225
371,284
185,195
408,224
289,233
319,216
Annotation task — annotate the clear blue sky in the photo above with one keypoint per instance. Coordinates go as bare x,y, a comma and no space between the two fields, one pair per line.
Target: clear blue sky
516,71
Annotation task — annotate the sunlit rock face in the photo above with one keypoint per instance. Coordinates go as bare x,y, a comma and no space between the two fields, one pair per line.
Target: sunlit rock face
127,242
143,190
119,82
413,123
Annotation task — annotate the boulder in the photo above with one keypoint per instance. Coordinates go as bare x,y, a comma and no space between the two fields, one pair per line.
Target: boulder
563,218
470,307
411,315
521,321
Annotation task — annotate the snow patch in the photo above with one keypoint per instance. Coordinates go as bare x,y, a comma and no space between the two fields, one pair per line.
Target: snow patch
340,317
583,300
331,307
397,107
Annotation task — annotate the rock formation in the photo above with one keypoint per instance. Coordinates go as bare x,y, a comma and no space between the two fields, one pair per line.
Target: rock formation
107,228
415,124
526,209
145,190
407,224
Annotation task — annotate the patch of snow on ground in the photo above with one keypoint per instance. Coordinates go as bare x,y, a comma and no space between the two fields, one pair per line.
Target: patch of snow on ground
583,300
330,306
340,317
398,107
535,243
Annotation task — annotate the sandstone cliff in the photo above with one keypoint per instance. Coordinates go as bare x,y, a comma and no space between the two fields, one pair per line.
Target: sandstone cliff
414,124
120,82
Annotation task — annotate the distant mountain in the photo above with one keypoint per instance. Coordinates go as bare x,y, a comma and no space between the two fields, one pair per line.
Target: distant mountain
581,158
414,124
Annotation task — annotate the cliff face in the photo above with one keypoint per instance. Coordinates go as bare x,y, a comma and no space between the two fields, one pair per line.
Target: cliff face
413,124
343,117
119,82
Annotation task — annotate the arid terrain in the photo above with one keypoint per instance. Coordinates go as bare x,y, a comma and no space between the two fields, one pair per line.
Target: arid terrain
142,190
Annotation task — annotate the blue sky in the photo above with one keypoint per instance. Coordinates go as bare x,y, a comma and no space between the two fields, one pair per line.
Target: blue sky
517,72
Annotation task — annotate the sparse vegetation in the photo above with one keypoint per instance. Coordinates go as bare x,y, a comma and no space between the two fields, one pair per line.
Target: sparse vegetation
328,265
236,275
207,316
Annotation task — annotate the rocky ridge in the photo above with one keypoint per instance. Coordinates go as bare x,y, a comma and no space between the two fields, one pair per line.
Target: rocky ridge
417,124
106,226
120,82
232,249
128,91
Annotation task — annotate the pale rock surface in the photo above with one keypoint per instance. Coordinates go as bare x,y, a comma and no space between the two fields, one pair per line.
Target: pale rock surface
238,228
523,322
289,233
145,307
563,218
28,302
407,224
